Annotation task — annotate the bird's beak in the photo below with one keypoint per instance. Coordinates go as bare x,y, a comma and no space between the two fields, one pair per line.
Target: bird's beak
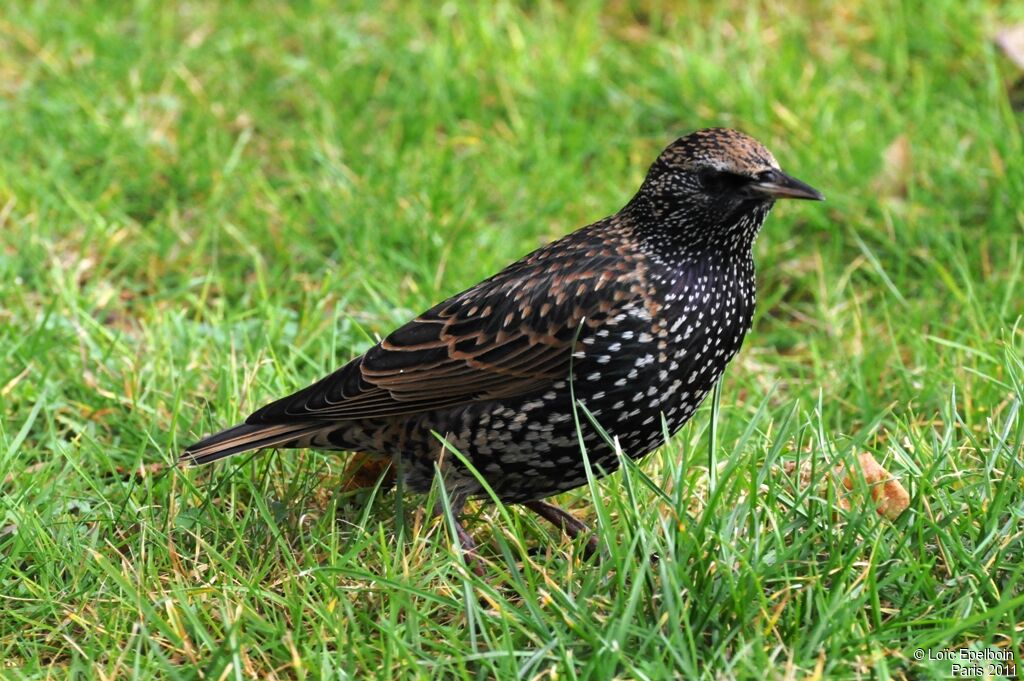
776,184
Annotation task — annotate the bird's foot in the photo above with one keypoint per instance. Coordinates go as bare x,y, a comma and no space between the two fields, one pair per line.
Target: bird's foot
570,524
469,554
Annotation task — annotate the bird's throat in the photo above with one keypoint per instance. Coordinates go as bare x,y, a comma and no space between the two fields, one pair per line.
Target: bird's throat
686,234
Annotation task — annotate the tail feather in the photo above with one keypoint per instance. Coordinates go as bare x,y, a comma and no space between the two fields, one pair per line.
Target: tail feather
242,438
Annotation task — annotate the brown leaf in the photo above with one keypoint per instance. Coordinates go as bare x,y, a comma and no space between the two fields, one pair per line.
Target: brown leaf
29,470
889,496
363,470
141,472
897,168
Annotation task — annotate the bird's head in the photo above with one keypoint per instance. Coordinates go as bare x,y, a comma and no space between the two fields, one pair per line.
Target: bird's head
718,181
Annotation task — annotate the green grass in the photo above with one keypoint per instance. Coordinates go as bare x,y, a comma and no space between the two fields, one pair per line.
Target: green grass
204,206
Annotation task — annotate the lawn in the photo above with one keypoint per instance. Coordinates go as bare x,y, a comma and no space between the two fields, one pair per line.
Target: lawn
204,206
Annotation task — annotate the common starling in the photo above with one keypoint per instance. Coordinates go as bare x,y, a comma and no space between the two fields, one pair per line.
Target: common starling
635,316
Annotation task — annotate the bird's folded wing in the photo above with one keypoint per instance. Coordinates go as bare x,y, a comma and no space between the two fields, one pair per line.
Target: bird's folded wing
502,338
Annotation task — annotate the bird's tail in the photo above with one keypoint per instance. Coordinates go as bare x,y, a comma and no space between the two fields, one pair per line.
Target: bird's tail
243,438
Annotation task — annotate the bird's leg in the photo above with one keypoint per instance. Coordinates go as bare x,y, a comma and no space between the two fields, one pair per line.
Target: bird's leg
466,541
568,523
468,545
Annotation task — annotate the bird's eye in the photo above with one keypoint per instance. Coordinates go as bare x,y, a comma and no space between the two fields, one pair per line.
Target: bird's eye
720,181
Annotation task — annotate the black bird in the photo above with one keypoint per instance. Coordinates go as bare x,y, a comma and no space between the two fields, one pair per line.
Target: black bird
637,315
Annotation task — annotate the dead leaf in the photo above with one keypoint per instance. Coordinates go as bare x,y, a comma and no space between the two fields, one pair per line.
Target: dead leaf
889,496
363,470
31,469
142,471
897,168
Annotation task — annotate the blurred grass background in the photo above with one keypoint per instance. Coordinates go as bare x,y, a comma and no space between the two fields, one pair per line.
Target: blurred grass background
207,205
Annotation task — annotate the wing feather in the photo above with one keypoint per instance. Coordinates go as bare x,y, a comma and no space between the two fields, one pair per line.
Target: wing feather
512,334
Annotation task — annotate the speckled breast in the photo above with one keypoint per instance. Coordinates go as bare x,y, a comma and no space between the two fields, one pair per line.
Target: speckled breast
629,374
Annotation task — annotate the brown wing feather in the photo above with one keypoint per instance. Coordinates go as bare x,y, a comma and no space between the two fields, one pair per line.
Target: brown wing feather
510,335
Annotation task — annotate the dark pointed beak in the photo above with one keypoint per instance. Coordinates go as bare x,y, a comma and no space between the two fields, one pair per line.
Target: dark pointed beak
775,184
